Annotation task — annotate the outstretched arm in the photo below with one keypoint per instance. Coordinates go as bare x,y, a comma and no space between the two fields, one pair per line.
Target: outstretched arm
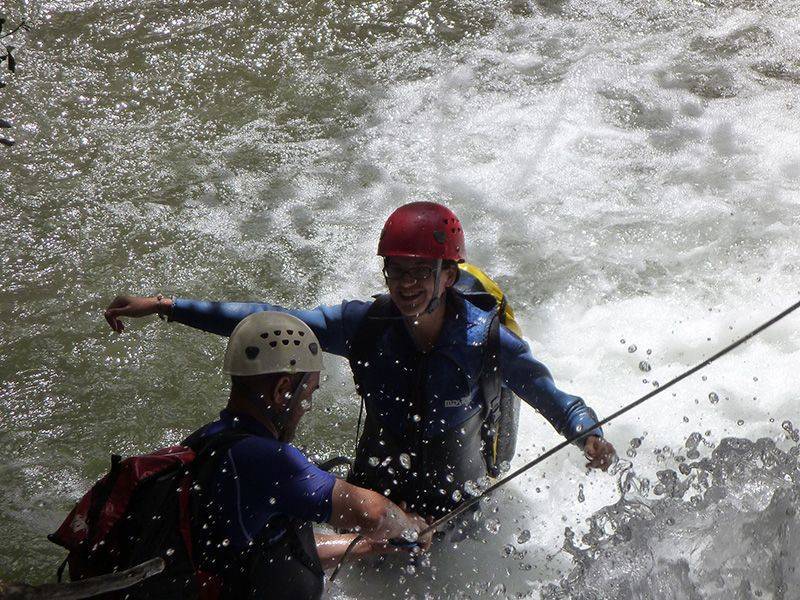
333,325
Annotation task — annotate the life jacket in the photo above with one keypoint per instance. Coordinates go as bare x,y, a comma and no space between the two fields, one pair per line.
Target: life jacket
146,507
437,466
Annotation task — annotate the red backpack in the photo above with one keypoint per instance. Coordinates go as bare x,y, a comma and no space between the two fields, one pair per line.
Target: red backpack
141,509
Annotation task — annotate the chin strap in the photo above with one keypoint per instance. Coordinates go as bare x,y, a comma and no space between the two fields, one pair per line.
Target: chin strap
437,299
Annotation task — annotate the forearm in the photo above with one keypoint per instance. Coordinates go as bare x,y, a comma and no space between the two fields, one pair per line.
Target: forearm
332,546
531,381
568,414
369,513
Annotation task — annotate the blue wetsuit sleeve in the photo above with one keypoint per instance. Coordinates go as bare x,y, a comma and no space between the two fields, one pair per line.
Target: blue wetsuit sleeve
334,326
530,380
268,478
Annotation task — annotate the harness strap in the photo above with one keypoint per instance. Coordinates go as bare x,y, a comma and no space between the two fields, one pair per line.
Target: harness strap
209,585
491,384
366,337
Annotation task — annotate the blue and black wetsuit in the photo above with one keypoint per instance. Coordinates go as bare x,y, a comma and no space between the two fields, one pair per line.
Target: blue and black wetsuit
426,406
252,513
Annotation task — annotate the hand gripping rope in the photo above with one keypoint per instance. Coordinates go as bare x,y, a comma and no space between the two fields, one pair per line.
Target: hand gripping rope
470,503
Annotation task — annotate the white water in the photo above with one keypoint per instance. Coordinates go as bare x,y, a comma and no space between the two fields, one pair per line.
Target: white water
630,174
626,171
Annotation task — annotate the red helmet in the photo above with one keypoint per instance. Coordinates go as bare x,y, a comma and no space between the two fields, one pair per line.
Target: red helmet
423,230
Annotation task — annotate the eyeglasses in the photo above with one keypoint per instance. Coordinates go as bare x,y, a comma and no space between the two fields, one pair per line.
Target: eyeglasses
394,272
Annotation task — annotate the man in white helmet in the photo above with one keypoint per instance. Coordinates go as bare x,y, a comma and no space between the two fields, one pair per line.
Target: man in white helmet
258,495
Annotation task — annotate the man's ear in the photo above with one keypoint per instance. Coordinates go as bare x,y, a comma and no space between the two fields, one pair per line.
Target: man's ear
281,395
449,276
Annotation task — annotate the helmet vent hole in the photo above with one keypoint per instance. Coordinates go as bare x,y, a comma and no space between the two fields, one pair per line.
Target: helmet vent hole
290,331
293,362
273,344
313,348
297,342
285,342
302,333
251,352
278,332
265,335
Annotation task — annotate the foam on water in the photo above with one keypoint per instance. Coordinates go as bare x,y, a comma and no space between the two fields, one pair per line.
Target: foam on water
724,526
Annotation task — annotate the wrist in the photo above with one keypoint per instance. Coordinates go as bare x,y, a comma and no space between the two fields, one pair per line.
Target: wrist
163,307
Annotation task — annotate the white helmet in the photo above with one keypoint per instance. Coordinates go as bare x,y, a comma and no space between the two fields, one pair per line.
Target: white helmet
272,342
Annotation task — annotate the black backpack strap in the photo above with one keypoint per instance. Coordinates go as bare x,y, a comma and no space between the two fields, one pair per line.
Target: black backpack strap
491,379
371,328
365,339
492,387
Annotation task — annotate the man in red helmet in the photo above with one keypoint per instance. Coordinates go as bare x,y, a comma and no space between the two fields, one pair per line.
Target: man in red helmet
429,362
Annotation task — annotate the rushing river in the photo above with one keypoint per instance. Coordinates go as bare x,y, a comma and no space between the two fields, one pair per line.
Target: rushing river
629,171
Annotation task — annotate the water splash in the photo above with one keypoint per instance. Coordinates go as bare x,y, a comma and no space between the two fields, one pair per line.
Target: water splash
723,526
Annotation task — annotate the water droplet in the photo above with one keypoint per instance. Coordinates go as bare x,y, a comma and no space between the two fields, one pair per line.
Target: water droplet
644,366
493,526
305,404
622,341
649,352
405,460
387,491
226,542
456,496
409,535
524,536
417,418
632,348
740,422
272,501
373,461
170,551
471,488
713,398
504,467
508,550
581,496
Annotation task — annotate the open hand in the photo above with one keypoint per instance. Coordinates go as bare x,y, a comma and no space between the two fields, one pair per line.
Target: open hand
601,453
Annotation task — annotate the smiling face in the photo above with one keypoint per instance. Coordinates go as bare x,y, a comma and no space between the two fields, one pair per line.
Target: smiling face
411,283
